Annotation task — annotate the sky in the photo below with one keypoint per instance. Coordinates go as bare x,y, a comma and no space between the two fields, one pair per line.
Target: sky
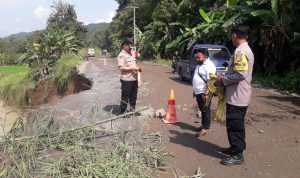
29,15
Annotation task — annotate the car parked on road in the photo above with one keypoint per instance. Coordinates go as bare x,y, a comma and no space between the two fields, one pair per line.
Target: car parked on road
218,54
91,52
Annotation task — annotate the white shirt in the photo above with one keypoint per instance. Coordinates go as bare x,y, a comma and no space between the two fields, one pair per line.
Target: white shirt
204,70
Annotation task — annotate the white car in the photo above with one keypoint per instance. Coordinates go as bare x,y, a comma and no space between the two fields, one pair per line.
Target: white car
91,52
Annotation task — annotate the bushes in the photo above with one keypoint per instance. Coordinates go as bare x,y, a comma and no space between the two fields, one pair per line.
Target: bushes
62,70
13,87
8,59
289,82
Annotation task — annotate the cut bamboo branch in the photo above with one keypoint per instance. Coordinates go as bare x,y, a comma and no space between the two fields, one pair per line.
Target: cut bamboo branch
79,128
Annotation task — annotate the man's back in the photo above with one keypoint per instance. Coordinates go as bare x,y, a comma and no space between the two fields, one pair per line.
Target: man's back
239,93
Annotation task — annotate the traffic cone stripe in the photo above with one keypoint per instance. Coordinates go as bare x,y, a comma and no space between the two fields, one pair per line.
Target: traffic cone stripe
171,102
171,114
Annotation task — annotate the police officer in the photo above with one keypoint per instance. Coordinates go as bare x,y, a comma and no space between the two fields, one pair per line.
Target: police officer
129,69
237,81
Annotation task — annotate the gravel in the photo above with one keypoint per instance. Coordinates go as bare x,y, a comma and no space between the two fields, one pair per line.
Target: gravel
99,103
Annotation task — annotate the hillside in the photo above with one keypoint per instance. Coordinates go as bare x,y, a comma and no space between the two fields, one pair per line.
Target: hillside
92,29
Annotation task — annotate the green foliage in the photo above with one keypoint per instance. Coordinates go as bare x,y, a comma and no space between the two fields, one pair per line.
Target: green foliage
289,82
14,82
10,51
164,26
64,18
165,62
62,35
295,42
97,36
4,70
46,48
64,68
8,59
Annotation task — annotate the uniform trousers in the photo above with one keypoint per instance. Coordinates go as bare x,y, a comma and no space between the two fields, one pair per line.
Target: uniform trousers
235,125
129,91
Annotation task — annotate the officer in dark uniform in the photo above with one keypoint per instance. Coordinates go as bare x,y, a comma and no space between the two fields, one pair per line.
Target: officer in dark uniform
129,69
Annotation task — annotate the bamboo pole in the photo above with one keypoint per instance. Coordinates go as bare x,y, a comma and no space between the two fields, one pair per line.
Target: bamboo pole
82,127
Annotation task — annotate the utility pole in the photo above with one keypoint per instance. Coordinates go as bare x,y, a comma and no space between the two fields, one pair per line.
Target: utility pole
134,31
134,43
134,39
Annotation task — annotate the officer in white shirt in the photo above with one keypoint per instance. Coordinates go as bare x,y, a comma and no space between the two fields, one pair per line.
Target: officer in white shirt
201,76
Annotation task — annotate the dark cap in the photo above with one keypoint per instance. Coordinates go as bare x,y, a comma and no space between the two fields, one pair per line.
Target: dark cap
240,30
127,41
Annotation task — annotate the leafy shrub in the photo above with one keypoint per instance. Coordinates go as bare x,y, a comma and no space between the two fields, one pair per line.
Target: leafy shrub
62,70
8,59
289,82
13,88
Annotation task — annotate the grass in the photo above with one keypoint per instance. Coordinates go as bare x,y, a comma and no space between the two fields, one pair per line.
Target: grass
289,82
6,70
166,62
14,82
62,70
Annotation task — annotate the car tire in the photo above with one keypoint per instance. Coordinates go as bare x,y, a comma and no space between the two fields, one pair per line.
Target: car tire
181,74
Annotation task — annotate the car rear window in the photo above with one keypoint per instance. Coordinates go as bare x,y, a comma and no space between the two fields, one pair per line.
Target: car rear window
218,54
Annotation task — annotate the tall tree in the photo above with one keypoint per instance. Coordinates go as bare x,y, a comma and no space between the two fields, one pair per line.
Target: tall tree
64,17
122,4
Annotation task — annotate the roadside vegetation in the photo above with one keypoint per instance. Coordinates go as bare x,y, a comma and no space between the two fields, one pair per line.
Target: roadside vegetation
290,82
50,54
6,70
164,26
158,61
55,151
64,68
14,82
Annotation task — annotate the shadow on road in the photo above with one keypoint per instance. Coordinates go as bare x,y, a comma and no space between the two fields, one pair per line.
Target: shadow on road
189,140
178,80
186,126
113,109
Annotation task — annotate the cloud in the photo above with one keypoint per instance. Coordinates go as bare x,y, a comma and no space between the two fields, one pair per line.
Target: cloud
110,15
41,13
17,20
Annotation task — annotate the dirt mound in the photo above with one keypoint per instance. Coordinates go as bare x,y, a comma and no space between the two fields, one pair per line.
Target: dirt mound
49,90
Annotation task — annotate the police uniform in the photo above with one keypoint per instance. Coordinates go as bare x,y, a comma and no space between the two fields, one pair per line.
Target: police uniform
238,94
129,84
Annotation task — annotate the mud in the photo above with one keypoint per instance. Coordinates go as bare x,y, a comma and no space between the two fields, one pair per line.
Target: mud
50,91
8,115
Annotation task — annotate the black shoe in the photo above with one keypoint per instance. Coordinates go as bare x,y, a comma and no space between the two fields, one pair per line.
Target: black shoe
199,128
227,152
124,112
137,114
233,160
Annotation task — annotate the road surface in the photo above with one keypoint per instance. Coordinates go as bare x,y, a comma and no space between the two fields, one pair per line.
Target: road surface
272,132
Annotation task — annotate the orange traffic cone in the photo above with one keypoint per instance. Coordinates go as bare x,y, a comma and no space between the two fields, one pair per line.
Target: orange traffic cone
171,114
